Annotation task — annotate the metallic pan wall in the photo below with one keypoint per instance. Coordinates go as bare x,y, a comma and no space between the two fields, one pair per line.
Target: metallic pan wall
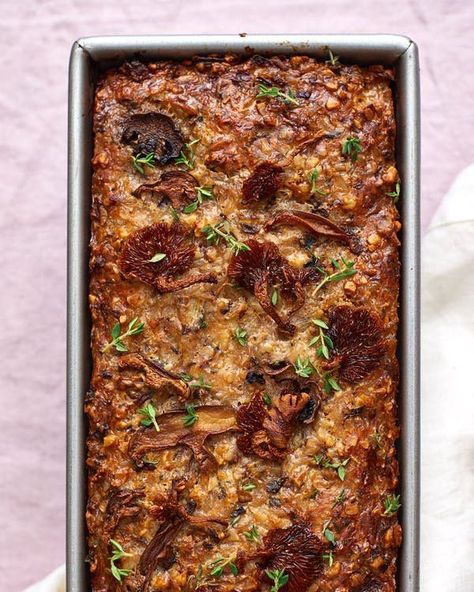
89,56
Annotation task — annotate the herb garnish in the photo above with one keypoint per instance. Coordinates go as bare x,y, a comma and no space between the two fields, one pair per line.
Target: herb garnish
303,367
174,214
329,383
218,566
157,257
392,505
395,194
117,554
267,399
274,297
252,534
141,160
333,59
329,533
202,194
149,416
214,234
249,486
278,577
134,328
265,91
323,341
313,178
191,416
198,383
351,147
186,156
341,496
328,558
340,467
241,336
344,269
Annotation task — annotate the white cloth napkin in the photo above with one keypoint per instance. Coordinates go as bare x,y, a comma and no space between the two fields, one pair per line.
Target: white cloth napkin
447,460
447,508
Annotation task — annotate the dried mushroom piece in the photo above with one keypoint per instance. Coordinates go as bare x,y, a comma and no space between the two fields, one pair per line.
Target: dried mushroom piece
314,223
210,420
261,268
296,550
178,187
153,133
263,183
158,253
356,334
173,517
155,377
123,503
266,431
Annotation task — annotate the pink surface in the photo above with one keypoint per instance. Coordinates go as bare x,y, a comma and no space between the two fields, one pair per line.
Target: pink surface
36,39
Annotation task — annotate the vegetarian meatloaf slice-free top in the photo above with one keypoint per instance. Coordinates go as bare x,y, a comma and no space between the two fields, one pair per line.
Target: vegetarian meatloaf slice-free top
243,290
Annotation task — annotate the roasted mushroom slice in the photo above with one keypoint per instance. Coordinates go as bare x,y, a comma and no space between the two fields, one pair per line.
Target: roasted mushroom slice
156,378
158,253
263,183
173,517
211,420
314,223
123,503
153,132
267,431
356,334
178,187
295,549
262,267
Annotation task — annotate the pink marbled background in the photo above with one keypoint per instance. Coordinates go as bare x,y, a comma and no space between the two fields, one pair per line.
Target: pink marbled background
35,39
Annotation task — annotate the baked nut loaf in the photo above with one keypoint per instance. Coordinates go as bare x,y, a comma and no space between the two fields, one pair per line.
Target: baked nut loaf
243,290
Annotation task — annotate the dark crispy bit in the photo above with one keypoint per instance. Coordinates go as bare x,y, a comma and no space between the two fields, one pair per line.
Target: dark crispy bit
153,133
263,183
163,239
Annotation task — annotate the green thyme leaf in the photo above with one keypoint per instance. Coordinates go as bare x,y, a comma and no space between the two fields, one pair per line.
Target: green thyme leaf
267,399
392,505
274,297
215,233
278,577
343,270
249,486
333,59
219,565
134,328
241,336
351,147
252,535
141,160
313,179
395,194
328,558
149,416
157,258
117,554
265,92
303,367
202,194
328,533
187,157
191,416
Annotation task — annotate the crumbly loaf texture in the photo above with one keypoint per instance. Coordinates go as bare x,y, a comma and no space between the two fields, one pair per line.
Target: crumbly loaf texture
309,464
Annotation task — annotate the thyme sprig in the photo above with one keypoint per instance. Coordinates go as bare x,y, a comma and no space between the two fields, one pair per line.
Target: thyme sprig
202,194
392,505
252,535
196,383
149,416
220,564
343,270
324,342
214,234
333,59
278,577
329,558
141,160
351,147
191,416
118,553
274,92
187,157
303,367
313,179
134,328
395,194
241,336
328,533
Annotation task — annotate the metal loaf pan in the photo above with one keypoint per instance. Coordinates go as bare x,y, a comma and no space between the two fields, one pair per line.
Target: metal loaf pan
91,55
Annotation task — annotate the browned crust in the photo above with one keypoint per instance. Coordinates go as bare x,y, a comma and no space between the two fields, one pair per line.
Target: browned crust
191,330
